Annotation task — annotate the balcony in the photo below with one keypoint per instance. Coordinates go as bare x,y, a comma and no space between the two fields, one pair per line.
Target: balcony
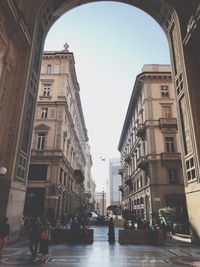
127,158
87,193
79,176
171,156
121,188
120,171
142,162
140,130
168,123
128,180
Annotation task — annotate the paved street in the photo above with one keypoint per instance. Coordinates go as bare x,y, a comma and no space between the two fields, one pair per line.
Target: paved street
178,252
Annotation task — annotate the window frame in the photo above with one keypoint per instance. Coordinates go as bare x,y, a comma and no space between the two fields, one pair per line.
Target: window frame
170,147
44,113
167,111
41,140
47,89
164,90
173,176
49,69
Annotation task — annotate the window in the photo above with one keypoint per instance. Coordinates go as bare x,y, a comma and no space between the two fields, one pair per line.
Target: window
138,186
190,169
49,69
166,110
21,171
164,91
46,89
37,172
41,141
141,182
44,112
169,142
173,176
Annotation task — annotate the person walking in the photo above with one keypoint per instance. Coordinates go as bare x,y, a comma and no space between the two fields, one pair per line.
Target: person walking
34,236
4,234
111,231
75,230
45,238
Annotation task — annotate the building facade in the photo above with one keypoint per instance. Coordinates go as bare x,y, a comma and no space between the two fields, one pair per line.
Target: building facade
89,184
101,203
114,181
60,156
150,149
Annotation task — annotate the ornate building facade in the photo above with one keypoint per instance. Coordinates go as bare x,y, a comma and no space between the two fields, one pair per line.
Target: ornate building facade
150,147
21,53
60,154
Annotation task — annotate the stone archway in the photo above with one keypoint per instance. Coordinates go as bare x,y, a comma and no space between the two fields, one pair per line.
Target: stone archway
23,28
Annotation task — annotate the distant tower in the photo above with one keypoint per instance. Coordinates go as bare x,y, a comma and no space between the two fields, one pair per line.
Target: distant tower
114,181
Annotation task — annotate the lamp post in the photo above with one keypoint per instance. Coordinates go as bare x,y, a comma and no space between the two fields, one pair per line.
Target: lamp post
103,203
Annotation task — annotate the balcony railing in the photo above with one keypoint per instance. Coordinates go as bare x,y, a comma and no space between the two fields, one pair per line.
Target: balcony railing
120,188
128,180
171,156
142,163
120,171
46,152
168,123
127,158
140,130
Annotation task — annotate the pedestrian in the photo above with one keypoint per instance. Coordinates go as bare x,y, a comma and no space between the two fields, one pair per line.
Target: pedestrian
45,238
34,236
163,227
75,230
111,231
4,234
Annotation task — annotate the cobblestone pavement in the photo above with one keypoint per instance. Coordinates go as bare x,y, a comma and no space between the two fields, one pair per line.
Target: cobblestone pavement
176,252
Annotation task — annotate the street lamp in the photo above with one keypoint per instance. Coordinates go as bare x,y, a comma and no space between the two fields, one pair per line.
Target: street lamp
3,171
103,203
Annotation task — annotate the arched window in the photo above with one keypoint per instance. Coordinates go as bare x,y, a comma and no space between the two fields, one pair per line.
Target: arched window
49,69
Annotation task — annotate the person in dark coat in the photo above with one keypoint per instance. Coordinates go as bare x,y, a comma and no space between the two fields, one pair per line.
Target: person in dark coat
4,234
45,238
75,230
111,231
34,236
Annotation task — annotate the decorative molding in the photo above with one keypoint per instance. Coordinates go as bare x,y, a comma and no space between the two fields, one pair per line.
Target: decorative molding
42,127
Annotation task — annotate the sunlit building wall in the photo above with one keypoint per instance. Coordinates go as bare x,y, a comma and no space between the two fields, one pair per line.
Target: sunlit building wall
60,157
151,167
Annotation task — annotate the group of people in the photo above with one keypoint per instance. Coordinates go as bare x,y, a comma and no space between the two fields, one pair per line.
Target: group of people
39,237
79,230
140,224
40,234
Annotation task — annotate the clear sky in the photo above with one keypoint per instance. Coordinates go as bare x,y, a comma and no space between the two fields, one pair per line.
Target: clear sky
111,42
